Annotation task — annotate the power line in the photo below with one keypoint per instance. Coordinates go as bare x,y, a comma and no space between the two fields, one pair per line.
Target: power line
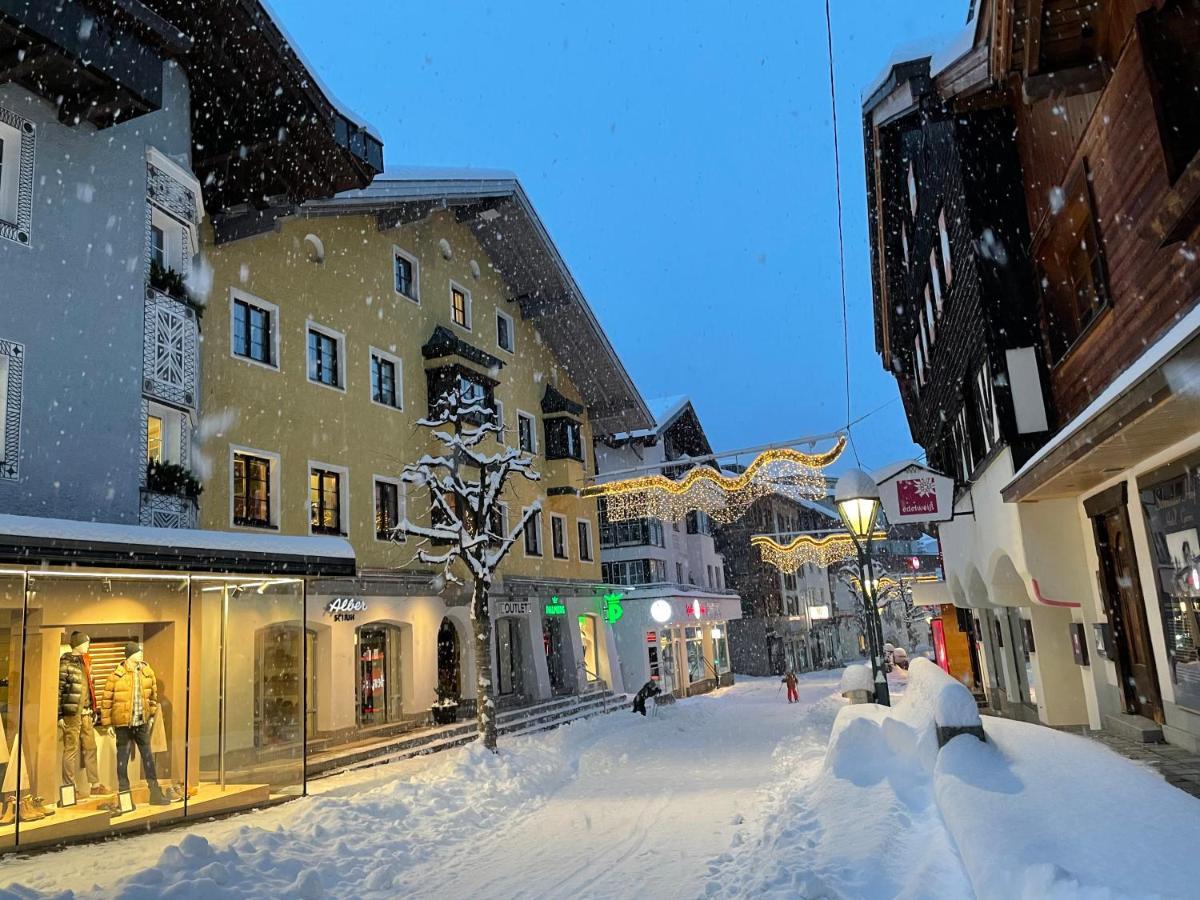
837,178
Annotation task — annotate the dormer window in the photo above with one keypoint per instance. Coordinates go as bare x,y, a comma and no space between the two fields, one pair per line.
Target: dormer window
912,189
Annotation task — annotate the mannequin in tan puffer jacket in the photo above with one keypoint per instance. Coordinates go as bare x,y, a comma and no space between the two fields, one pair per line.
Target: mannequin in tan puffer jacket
116,697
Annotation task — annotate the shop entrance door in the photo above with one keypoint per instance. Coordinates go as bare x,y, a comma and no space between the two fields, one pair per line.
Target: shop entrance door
449,660
556,659
1021,660
508,658
379,687
591,659
1127,613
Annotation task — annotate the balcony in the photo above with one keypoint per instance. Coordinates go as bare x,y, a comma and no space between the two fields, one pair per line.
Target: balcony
169,349
166,510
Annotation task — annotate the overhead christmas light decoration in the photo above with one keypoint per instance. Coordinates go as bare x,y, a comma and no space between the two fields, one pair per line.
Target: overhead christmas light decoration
725,498
821,551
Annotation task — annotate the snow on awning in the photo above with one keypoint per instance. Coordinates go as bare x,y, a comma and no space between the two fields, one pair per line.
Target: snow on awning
930,593
30,540
1147,408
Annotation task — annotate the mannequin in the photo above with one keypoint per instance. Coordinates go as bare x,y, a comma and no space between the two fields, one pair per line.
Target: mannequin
129,703
77,711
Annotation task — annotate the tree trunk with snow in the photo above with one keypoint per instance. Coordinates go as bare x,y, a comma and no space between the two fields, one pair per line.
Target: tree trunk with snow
485,704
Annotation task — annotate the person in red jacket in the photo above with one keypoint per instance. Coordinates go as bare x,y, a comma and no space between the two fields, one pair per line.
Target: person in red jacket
790,680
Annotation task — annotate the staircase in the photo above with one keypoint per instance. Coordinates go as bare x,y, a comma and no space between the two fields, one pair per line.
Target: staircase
542,716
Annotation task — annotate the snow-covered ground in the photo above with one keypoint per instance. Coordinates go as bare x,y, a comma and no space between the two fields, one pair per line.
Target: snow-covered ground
733,794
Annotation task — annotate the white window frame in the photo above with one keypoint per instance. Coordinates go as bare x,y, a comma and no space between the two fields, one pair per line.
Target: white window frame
533,430
343,497
173,422
536,523
556,517
989,414
930,317
276,486
503,507
591,543
236,294
173,230
920,361
16,177
498,405
401,504
398,251
12,368
470,307
912,189
372,352
904,242
935,277
343,379
512,332
944,238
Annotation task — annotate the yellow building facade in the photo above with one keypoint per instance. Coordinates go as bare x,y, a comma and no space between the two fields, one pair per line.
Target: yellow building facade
326,338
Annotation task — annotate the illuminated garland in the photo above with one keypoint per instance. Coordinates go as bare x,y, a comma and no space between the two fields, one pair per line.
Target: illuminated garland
723,497
822,552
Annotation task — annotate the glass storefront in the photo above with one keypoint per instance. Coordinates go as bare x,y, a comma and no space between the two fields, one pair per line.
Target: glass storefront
129,699
587,640
379,679
695,654
720,645
1172,507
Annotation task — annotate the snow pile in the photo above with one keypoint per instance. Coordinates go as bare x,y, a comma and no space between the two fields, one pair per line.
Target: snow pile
857,678
949,702
1039,813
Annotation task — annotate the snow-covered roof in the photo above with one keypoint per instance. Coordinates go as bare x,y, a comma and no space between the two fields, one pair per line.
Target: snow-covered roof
517,242
30,537
663,410
818,507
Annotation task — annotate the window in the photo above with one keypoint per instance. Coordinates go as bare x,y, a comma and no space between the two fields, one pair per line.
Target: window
325,501
698,523
919,358
533,535
388,510
405,270
912,189
563,439
385,380
1071,268
558,536
526,432
695,654
154,438
585,540
470,392
16,176
712,584
324,358
930,318
985,403
499,417
1171,36
505,337
944,242
460,306
499,523
629,533
679,573
634,571
924,334
904,241
158,247
935,276
254,336
960,433
252,490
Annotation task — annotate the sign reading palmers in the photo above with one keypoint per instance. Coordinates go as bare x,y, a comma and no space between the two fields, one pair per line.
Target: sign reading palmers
915,493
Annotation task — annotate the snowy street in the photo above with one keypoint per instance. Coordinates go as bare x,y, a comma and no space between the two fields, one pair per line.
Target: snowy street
684,804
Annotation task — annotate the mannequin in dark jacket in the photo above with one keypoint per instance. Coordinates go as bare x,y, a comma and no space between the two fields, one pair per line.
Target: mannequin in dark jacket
77,711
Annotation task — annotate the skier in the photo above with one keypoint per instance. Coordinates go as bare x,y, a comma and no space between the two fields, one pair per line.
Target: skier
648,690
790,680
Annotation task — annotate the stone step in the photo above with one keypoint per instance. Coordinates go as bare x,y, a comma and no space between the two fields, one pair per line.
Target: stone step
1134,728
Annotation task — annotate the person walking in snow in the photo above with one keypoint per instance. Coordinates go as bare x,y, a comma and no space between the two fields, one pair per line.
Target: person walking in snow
790,680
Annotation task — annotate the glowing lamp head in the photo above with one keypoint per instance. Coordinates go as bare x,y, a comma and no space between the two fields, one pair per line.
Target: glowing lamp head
660,611
857,499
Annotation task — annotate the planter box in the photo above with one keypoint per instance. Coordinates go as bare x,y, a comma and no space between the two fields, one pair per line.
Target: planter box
444,715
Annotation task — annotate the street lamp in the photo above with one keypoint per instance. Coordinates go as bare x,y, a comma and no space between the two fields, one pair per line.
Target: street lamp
857,499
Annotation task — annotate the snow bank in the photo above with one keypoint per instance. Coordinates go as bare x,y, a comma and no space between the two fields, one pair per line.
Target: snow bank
948,700
857,678
1039,813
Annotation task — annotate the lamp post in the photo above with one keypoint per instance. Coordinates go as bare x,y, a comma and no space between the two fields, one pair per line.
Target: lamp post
857,499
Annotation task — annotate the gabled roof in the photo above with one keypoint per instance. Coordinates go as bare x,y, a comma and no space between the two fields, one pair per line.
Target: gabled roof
494,206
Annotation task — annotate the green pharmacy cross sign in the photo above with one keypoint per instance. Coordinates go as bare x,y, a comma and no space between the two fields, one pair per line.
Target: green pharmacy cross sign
611,607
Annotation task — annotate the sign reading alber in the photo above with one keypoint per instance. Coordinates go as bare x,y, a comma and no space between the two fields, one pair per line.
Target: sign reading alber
911,492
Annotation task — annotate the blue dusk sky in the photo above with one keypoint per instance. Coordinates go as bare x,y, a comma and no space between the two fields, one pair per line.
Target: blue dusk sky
681,156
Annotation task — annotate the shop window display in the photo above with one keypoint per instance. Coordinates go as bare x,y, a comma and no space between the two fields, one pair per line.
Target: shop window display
130,700
695,655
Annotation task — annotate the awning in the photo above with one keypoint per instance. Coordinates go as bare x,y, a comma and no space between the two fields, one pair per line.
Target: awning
1150,406
930,593
33,541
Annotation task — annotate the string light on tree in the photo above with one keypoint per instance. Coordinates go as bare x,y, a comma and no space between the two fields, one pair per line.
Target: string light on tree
725,498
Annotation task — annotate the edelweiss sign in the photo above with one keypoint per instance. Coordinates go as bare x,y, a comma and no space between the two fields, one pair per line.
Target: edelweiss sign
914,493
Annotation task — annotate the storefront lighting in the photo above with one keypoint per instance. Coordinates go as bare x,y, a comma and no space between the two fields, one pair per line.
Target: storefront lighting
706,489
612,607
96,575
660,611
556,607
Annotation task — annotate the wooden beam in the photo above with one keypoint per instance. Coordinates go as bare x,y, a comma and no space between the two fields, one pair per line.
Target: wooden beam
1033,38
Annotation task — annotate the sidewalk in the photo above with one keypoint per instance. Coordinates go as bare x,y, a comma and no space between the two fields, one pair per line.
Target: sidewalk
1177,765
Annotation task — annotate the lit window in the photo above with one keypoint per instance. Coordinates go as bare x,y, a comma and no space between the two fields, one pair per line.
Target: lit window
325,497
387,509
460,306
154,439
251,490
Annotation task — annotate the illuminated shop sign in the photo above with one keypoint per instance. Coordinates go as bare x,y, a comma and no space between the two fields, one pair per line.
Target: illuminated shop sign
344,609
611,608
556,607
514,607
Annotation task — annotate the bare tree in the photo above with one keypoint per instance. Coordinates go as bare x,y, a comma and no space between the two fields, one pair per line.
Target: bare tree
465,483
